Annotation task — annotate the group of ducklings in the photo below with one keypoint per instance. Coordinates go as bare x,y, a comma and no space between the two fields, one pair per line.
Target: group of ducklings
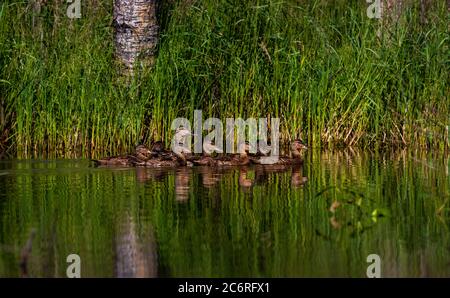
158,157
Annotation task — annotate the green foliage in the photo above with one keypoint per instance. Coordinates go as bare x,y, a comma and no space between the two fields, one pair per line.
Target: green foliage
321,66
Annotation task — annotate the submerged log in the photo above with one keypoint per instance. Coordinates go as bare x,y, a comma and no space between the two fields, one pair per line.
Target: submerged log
135,32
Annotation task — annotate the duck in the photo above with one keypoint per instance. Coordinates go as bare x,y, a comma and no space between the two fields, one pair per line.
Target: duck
181,133
169,159
159,152
206,157
157,149
296,148
240,159
141,154
209,148
176,158
262,150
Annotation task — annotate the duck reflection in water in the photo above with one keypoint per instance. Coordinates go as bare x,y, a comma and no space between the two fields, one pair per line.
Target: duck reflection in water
297,178
148,174
182,177
263,172
244,182
210,176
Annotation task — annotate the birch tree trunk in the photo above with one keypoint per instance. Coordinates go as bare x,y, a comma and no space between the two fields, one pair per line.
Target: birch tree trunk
36,18
391,10
391,13
135,32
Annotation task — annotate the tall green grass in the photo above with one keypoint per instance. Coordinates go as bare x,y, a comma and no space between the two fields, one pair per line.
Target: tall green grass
318,65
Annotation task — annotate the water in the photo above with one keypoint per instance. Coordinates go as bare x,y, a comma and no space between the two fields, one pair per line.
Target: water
319,220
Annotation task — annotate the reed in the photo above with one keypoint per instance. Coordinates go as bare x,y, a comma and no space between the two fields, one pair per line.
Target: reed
318,65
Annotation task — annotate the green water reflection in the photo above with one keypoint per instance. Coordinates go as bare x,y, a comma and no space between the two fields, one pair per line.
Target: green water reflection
322,219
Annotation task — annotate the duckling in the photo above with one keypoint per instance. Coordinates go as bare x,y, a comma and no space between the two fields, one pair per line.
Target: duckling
142,153
158,152
163,154
297,146
207,159
180,134
209,148
262,150
157,149
176,159
240,159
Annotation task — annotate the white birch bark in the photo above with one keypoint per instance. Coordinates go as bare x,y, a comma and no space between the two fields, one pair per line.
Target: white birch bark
136,31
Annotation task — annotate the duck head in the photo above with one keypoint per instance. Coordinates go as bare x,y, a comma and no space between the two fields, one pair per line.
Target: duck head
209,148
244,148
297,146
142,152
181,133
300,145
178,140
265,150
157,147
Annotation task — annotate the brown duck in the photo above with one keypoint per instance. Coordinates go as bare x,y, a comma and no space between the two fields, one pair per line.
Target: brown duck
171,159
240,159
206,157
142,153
157,149
296,148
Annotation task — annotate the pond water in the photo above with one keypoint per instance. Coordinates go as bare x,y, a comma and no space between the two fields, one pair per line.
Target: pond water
319,220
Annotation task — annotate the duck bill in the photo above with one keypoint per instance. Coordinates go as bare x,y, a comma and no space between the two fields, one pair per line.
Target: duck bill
302,147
